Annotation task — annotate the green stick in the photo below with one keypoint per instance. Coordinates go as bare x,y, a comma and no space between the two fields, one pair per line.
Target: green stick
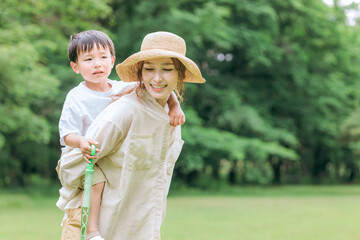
85,209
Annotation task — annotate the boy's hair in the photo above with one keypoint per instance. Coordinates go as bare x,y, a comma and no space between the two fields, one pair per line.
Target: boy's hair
85,41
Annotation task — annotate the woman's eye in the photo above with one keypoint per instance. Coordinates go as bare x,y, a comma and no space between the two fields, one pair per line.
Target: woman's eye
149,69
168,69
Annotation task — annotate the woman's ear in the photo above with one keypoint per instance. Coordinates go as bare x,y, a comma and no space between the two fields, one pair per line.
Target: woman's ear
74,67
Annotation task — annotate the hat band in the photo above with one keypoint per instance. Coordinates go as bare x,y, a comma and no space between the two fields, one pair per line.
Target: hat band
166,49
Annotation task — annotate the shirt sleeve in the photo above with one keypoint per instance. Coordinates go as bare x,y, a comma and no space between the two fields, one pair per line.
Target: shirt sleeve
70,120
107,134
108,130
121,86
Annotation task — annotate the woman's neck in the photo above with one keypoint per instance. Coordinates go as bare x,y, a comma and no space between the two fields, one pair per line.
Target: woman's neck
163,101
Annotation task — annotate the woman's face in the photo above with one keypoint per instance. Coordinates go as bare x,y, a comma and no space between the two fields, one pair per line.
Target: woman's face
160,78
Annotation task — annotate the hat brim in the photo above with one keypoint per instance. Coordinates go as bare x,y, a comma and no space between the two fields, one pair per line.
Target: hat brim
127,70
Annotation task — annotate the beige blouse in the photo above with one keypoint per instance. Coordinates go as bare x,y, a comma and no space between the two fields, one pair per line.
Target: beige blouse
138,150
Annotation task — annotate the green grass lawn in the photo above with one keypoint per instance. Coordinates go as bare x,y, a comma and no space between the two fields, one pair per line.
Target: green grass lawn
281,213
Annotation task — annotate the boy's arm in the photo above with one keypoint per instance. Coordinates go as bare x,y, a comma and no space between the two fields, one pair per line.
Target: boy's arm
177,116
126,90
76,141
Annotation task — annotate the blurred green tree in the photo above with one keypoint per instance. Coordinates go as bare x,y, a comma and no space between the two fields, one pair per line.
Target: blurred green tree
33,80
278,105
281,74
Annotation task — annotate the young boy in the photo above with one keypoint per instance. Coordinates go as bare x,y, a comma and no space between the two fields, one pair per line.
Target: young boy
91,54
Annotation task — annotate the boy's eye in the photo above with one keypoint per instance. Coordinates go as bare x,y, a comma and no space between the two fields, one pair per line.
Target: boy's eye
87,59
104,56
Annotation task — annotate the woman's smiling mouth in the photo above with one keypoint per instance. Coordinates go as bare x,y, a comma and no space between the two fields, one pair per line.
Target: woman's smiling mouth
158,87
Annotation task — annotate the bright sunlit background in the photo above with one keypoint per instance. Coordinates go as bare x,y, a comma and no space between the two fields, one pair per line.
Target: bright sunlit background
351,14
272,139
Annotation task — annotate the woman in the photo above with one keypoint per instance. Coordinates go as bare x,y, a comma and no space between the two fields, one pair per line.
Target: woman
138,148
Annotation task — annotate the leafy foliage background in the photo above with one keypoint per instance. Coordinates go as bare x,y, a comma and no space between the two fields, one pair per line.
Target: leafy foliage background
280,105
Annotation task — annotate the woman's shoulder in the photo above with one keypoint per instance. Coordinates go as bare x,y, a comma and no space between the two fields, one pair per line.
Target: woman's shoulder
129,99
125,105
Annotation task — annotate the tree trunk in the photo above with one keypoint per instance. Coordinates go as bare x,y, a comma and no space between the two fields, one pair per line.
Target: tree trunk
276,166
232,174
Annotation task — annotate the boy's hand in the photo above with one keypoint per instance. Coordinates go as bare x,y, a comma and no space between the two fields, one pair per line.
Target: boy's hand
177,116
85,146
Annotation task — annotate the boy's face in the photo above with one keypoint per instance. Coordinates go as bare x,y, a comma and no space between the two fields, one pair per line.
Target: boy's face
160,78
94,65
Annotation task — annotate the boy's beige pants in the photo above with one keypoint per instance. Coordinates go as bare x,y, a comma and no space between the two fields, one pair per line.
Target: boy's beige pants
71,225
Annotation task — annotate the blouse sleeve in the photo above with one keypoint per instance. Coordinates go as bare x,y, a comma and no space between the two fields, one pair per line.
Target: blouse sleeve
108,130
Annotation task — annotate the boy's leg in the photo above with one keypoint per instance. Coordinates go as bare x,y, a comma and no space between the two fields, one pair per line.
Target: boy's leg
95,203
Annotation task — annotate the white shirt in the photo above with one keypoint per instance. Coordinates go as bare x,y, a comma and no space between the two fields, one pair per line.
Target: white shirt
138,151
82,105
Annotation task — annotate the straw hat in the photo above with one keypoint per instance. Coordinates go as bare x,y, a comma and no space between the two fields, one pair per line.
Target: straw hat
159,45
